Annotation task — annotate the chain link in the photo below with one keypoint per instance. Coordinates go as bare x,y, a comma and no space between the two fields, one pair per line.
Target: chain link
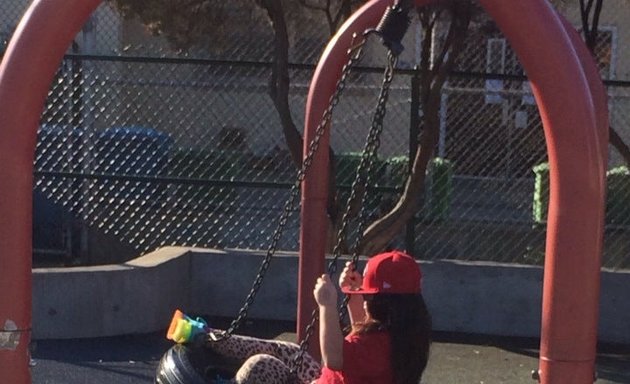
355,53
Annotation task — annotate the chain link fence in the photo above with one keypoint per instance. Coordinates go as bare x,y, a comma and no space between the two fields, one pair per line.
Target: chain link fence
141,146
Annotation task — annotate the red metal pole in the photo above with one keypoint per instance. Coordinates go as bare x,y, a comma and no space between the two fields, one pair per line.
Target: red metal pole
27,69
553,369
577,172
600,102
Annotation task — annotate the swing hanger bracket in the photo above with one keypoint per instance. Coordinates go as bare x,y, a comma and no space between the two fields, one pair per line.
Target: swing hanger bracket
393,26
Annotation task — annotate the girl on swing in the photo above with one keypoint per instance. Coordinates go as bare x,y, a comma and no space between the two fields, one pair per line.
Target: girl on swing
388,342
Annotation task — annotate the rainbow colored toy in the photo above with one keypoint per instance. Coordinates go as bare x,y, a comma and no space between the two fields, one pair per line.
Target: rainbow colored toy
184,329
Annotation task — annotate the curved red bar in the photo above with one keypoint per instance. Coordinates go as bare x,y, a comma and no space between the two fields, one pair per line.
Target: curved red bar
573,249
553,351
28,67
576,155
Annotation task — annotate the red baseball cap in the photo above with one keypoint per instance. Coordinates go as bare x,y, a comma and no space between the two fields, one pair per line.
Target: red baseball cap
390,272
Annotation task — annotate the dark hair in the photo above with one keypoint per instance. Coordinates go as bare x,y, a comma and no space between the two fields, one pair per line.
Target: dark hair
407,319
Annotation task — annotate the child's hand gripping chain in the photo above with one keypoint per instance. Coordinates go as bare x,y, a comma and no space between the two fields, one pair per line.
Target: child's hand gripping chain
184,329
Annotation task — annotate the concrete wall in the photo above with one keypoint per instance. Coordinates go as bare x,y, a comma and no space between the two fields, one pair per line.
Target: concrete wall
135,297
140,296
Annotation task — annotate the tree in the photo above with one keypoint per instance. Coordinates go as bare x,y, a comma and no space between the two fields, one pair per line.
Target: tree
186,25
380,233
383,230
196,23
280,81
458,14
200,23
205,23
334,11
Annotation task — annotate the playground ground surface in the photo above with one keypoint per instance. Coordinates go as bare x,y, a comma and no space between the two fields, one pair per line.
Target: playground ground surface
455,358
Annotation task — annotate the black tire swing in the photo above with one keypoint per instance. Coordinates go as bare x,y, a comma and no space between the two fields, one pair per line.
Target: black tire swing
195,363
190,364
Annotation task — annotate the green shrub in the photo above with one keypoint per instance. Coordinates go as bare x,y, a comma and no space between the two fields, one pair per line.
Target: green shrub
541,192
398,167
437,188
348,165
617,195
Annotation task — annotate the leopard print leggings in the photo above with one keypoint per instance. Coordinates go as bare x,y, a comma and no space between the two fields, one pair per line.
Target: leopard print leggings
265,361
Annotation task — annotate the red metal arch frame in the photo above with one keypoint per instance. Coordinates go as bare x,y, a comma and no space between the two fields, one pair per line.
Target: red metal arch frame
576,132
26,72
572,105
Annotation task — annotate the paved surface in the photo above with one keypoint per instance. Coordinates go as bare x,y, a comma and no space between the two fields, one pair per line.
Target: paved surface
454,359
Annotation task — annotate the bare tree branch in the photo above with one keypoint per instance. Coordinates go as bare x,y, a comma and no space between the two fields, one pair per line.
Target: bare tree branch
279,93
279,81
617,142
590,27
595,24
333,18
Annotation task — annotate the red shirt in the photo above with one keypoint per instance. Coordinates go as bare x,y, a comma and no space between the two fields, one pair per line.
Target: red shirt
366,360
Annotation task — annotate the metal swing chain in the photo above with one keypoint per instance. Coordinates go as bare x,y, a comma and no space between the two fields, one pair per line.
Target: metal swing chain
391,29
355,53
390,35
361,179
374,144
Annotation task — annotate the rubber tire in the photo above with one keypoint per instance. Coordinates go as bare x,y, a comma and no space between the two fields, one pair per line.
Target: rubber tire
183,364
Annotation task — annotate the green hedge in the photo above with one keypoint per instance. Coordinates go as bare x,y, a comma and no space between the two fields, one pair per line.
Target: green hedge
438,184
398,171
617,195
541,192
347,166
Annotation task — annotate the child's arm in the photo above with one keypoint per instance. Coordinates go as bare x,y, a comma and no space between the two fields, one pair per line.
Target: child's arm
330,336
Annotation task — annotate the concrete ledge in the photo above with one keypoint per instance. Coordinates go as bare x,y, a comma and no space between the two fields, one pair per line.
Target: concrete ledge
140,296
110,300
485,298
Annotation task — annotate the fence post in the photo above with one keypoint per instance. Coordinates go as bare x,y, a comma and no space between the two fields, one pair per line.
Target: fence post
414,131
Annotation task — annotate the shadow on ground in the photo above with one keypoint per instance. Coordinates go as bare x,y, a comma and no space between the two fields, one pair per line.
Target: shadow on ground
455,358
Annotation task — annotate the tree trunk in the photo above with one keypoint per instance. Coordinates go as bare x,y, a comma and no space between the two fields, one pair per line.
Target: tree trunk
616,141
279,87
279,82
378,235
